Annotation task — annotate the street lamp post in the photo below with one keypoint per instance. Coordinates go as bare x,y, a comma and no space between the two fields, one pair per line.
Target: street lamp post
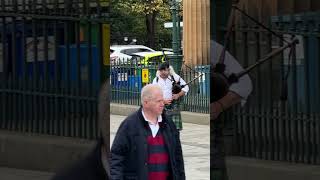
178,26
174,27
176,40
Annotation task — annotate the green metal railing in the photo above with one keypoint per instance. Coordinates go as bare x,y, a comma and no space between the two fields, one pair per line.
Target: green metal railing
50,74
281,120
127,81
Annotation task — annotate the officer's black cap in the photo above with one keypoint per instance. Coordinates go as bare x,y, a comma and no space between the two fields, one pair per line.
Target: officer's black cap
163,66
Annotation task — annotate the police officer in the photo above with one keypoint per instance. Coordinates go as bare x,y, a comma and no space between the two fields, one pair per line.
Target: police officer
238,92
166,77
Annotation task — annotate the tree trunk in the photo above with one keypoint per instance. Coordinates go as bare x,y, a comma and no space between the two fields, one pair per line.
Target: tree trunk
151,33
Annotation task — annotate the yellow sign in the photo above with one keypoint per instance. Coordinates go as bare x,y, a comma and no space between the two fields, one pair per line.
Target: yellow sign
145,76
106,44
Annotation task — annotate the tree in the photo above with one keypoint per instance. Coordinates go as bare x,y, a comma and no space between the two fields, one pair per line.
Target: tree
151,10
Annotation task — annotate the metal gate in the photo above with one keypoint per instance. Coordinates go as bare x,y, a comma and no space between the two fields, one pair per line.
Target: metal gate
54,55
270,126
128,77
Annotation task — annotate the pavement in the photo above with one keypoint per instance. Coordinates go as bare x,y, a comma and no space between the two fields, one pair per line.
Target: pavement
195,141
195,146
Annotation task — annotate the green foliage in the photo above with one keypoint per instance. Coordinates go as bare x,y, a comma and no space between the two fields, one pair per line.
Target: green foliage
128,19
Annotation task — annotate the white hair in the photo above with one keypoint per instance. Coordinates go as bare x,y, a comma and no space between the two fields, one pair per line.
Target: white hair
148,90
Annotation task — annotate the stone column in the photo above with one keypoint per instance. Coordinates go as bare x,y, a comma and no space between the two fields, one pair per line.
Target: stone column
196,32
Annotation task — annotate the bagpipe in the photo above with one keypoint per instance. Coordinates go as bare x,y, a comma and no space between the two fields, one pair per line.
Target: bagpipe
219,81
177,86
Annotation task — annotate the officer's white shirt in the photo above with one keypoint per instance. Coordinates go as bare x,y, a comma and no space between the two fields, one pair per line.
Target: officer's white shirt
244,86
166,85
153,126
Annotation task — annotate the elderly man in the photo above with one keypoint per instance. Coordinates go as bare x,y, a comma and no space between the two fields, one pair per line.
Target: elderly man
95,165
147,145
165,78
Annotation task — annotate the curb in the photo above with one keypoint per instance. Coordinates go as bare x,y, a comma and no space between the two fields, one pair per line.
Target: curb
187,117
41,152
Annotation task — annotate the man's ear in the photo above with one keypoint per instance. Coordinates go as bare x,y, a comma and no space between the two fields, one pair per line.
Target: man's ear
144,102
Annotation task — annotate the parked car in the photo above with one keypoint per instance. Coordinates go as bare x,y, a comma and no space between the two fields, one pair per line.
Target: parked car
121,53
149,58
